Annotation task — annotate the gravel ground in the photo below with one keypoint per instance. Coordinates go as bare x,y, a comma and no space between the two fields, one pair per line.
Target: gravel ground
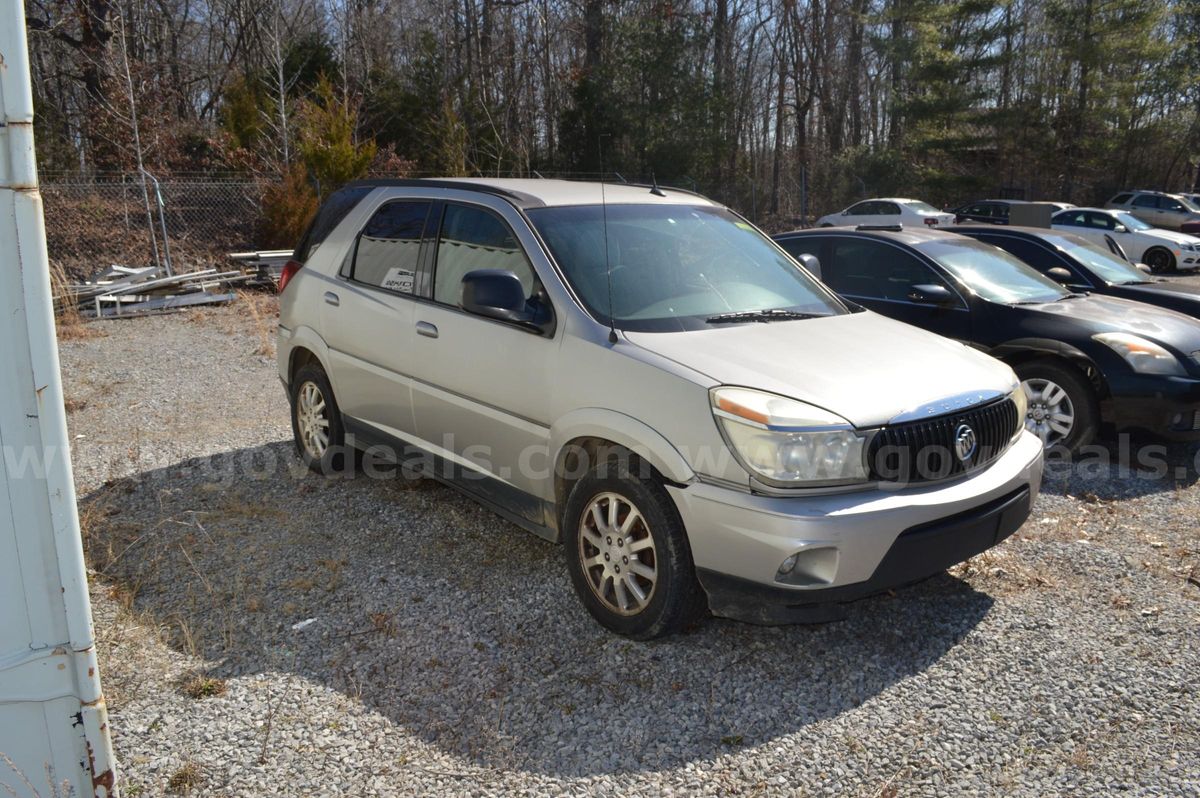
446,653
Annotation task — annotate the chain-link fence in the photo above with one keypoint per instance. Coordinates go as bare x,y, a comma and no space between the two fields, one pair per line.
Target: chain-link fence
94,223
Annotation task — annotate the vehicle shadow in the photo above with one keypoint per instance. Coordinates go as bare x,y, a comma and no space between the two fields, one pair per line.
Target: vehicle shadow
463,629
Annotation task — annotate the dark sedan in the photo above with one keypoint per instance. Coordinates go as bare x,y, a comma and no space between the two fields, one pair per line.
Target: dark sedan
1084,360
1082,266
986,211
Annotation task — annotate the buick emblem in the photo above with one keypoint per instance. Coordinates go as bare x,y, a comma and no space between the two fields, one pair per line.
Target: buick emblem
965,443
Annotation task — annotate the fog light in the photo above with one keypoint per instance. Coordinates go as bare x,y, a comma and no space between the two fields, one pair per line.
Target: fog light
787,565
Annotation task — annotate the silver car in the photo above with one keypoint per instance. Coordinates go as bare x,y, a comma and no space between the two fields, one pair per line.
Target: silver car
643,376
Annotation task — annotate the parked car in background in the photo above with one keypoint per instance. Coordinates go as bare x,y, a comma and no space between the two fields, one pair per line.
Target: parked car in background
1082,265
644,376
985,211
889,211
1161,250
1157,208
1084,360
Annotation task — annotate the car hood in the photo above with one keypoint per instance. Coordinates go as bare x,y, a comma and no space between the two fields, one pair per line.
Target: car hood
1169,236
1095,314
866,368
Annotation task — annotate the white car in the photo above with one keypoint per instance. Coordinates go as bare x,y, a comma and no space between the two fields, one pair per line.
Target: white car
1161,250
889,211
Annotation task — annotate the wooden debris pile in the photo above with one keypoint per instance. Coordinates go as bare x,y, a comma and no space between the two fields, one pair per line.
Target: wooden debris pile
123,291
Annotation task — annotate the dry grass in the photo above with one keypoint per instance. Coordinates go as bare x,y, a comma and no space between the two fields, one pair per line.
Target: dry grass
70,323
184,780
263,310
200,685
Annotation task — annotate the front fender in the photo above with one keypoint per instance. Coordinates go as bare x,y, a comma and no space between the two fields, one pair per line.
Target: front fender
596,422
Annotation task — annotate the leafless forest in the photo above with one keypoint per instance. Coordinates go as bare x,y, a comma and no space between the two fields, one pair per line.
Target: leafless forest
782,108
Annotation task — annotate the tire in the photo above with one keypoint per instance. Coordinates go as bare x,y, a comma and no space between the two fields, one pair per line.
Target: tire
1056,388
310,387
673,599
826,224
1159,260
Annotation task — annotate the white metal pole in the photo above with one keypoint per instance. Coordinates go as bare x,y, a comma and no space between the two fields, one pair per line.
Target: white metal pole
53,721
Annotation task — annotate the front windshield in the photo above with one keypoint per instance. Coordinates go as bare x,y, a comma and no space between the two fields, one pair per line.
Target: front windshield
1191,206
921,207
1132,222
992,273
674,267
1105,264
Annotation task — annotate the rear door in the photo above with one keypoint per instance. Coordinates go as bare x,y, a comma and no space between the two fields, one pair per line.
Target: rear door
1145,207
367,317
482,395
881,275
862,213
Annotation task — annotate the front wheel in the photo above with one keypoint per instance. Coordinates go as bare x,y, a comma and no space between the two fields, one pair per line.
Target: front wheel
1063,410
1160,260
628,555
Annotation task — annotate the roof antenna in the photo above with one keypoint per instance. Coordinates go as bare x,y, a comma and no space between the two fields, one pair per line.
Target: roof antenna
618,174
538,175
656,191
612,329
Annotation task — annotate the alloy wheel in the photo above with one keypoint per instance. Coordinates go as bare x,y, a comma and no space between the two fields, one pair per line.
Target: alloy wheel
1051,414
312,420
618,555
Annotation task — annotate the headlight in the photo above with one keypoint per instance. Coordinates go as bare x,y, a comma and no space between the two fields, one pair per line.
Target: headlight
1021,400
1144,357
788,443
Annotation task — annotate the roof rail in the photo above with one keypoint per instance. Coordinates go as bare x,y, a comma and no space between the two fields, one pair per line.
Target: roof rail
886,228
518,198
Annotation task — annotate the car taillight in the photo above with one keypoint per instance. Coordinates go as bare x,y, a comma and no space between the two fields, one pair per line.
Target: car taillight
931,221
289,271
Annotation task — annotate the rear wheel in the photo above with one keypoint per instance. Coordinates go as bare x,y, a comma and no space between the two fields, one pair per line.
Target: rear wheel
1063,410
1159,260
316,422
628,555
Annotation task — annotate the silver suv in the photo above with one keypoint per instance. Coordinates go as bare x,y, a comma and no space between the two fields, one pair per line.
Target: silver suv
645,377
1172,211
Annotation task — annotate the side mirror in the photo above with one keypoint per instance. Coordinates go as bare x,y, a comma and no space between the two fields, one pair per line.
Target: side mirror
1120,228
810,263
1060,275
931,295
495,293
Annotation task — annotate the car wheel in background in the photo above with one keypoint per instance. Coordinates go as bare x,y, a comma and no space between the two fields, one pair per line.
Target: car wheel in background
1063,410
628,555
316,423
1159,260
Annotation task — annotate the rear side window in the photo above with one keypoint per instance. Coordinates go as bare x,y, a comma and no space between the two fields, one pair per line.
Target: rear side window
332,211
1072,218
389,247
471,239
1146,201
874,270
1120,199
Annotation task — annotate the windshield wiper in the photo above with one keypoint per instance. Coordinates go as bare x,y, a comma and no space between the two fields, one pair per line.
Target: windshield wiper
774,314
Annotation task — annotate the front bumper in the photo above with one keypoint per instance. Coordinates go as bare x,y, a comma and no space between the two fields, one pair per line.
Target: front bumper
850,544
1168,407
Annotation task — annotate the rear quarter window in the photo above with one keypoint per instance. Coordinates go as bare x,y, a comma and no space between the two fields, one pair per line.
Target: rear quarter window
1120,199
330,215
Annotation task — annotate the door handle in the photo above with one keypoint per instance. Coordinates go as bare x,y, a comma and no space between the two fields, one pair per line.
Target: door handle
427,329
332,299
